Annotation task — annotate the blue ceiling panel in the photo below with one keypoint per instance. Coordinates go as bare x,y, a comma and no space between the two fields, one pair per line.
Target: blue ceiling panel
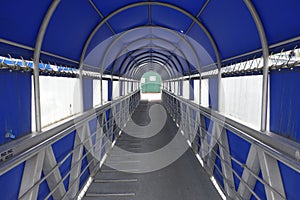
127,19
166,34
21,20
170,18
142,32
107,7
67,32
280,19
232,27
200,41
188,5
102,34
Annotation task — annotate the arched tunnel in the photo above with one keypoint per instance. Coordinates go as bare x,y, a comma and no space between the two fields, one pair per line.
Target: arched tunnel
149,100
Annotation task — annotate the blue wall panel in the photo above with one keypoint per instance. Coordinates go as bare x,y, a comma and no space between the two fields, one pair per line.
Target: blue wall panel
284,103
191,82
85,175
87,93
290,179
10,182
259,189
217,173
15,104
209,128
213,92
60,149
109,90
239,150
43,189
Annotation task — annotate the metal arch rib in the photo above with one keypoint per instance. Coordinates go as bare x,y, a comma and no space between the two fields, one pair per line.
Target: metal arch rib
137,70
36,58
131,64
143,39
211,39
160,27
158,53
265,49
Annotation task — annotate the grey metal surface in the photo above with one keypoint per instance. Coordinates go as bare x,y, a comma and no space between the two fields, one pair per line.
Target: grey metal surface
182,179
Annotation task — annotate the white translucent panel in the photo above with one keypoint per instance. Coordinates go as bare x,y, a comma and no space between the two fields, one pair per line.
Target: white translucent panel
59,98
204,93
96,92
105,91
172,87
125,87
176,88
196,91
186,89
241,99
116,89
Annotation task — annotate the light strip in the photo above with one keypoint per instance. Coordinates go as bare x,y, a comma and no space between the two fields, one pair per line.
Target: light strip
213,180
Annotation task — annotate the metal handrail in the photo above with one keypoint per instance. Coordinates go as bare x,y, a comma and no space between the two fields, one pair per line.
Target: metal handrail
275,145
25,147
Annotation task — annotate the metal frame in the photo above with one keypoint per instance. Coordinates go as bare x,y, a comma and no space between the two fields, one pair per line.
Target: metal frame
264,153
38,154
265,49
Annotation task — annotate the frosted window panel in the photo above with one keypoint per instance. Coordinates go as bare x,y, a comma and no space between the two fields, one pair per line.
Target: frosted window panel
204,93
105,90
116,89
59,98
176,88
172,87
196,91
186,89
96,92
126,87
242,99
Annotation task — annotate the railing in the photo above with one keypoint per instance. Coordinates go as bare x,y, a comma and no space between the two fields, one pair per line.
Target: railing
57,163
235,154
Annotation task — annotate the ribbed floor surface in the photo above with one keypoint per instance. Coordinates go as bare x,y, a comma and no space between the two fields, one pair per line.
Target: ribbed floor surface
183,179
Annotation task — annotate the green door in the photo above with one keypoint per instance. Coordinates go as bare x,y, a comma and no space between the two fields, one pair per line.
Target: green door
151,82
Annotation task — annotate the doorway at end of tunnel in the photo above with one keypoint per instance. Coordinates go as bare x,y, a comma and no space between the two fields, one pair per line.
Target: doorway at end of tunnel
151,86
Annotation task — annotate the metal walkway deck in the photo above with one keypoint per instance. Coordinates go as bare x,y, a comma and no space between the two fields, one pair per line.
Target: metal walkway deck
182,179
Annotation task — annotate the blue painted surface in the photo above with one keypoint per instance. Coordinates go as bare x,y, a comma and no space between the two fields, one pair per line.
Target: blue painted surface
284,103
10,182
85,175
239,149
69,28
209,127
87,93
170,18
228,27
15,104
213,92
43,190
109,90
217,174
60,149
192,94
180,87
290,179
136,16
259,189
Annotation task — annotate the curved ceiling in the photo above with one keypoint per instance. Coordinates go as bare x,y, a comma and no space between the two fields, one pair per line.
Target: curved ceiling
125,38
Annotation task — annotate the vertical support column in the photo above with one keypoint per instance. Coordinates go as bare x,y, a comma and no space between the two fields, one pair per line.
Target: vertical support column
265,49
31,174
191,88
101,90
200,80
110,89
36,59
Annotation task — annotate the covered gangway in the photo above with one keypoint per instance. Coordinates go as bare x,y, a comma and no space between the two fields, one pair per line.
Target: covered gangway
70,85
